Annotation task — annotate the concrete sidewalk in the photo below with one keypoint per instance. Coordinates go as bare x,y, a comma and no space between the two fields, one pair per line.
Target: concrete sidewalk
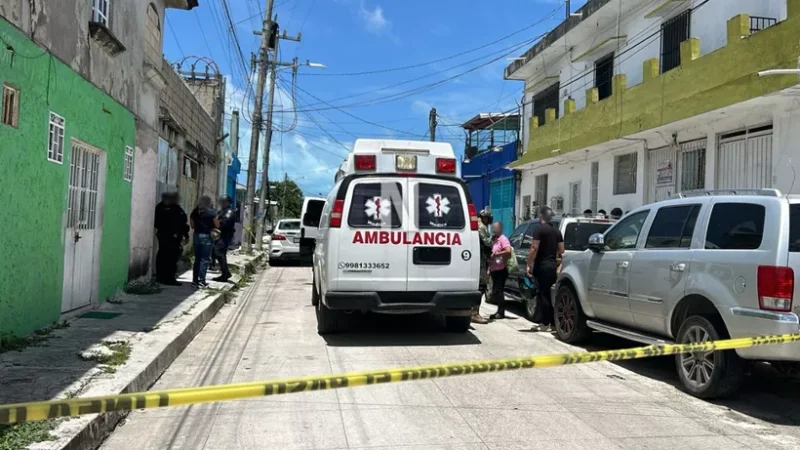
122,346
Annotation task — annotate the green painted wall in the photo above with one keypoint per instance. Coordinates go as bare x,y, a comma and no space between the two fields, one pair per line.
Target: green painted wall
34,190
721,78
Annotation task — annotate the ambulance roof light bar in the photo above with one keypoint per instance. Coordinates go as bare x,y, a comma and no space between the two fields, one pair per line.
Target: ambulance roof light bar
365,162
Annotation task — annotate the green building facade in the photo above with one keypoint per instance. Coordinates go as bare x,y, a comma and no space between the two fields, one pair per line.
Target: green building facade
45,229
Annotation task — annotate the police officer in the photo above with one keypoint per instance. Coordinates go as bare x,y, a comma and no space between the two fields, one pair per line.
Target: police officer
486,251
227,224
171,228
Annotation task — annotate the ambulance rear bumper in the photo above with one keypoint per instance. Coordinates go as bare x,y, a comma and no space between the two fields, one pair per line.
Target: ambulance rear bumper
403,302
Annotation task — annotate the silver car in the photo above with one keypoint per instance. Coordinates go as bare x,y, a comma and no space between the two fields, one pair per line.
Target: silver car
702,266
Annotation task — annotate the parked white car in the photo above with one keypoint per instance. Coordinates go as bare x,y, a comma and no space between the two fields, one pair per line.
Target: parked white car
703,266
285,241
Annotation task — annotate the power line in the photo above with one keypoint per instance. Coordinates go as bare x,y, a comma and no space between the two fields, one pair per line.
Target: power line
427,63
420,89
174,36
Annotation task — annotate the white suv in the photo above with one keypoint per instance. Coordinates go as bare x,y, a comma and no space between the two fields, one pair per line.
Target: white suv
398,245
703,266
285,241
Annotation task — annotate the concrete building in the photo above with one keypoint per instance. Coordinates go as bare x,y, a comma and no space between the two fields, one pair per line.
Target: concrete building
491,144
629,102
73,100
188,160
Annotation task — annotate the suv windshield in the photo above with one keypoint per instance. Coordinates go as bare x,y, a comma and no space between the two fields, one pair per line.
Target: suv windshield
576,235
794,227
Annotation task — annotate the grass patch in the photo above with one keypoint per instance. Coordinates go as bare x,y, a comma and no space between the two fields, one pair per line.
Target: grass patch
16,437
120,352
142,287
9,342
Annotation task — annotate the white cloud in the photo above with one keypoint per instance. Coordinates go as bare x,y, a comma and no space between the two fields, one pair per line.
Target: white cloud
374,20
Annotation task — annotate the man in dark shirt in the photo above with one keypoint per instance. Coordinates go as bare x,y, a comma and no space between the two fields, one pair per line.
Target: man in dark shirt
543,260
227,221
171,228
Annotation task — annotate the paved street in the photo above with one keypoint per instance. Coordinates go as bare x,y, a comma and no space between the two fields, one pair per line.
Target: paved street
270,332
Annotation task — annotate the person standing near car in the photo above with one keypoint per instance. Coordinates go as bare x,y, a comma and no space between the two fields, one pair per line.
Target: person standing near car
227,229
486,250
543,260
498,269
204,220
172,228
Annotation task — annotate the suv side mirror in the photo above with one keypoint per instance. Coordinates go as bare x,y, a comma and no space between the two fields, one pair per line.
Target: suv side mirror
597,242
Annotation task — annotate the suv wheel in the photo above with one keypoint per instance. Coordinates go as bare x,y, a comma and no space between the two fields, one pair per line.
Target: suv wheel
707,374
457,324
570,322
329,321
530,305
314,291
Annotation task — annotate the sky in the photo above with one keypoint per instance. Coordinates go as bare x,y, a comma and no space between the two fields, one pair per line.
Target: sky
447,54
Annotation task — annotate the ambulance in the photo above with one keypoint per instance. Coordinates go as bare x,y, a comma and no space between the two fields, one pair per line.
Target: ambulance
398,235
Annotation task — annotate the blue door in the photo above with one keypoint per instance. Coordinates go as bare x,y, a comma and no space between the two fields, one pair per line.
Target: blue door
501,193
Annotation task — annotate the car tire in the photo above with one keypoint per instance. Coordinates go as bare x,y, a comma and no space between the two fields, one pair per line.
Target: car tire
314,291
274,262
329,321
569,320
530,305
457,324
726,373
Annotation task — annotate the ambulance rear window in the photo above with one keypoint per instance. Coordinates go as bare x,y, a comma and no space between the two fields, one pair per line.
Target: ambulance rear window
439,207
376,205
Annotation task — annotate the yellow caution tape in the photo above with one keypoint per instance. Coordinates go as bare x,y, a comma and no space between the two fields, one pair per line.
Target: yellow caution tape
27,412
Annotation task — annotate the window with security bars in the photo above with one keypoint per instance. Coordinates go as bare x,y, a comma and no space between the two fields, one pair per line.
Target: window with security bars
10,105
594,180
128,169
759,23
540,193
673,32
625,173
100,9
190,168
55,143
575,198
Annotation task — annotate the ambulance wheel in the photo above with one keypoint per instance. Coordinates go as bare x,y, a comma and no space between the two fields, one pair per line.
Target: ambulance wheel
457,324
314,291
329,321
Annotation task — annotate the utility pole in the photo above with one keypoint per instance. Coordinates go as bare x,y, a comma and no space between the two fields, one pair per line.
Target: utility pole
283,202
268,140
569,10
252,161
235,131
432,122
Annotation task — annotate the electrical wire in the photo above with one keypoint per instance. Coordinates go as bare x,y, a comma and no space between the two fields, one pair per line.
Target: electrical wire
447,58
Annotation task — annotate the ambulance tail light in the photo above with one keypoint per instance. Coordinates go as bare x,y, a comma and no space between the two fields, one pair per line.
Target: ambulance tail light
336,214
365,162
445,165
473,217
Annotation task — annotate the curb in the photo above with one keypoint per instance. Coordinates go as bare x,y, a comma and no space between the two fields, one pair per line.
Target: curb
89,432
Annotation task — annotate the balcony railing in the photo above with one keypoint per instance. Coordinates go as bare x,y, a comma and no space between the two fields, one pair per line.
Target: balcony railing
759,23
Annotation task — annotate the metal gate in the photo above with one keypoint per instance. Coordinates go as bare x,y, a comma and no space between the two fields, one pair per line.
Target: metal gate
671,171
502,202
83,227
744,159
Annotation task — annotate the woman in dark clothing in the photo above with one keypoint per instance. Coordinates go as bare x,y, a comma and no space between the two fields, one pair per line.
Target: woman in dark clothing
204,219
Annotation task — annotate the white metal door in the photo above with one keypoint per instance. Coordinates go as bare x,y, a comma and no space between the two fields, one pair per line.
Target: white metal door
83,227
744,160
661,174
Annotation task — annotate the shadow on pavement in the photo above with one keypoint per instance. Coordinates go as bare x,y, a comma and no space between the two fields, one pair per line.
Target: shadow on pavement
766,394
378,330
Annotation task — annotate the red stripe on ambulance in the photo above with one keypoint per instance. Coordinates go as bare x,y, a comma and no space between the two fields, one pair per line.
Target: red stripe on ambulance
401,237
